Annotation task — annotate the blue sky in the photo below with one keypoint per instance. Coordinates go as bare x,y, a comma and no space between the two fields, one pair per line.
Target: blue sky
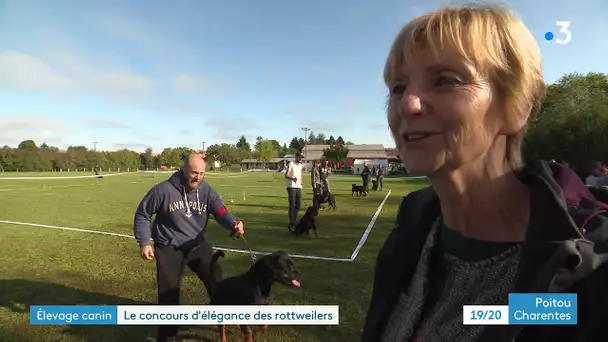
132,74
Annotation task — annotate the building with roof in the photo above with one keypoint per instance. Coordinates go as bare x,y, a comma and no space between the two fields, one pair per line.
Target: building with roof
272,164
358,154
392,155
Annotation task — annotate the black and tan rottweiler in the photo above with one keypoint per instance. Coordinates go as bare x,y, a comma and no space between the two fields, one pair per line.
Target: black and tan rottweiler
254,287
308,222
359,190
374,185
324,197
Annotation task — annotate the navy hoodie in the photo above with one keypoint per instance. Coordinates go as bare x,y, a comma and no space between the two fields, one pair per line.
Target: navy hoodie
181,216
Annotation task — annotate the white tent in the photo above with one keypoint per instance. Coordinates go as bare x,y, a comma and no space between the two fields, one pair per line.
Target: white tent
358,164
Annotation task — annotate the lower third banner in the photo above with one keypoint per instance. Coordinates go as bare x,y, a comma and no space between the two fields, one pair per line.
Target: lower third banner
184,315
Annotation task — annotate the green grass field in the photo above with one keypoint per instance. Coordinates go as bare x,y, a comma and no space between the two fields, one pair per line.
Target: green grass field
50,266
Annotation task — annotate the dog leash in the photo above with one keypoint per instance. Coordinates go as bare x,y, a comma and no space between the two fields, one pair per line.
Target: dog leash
242,237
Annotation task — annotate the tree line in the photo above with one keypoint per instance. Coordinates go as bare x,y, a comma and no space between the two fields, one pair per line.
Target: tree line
266,149
28,156
571,126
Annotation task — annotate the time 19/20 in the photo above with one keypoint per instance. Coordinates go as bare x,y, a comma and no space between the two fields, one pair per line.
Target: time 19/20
486,315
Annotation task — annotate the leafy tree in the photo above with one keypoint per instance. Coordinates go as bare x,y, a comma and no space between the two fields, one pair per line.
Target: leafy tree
276,145
331,140
336,153
296,144
28,156
572,124
266,150
147,159
320,139
312,138
28,145
171,157
243,144
226,154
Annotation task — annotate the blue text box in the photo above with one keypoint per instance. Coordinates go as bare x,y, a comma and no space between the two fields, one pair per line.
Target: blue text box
73,315
543,309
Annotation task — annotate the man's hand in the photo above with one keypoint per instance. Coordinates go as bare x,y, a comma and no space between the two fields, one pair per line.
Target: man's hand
147,252
238,228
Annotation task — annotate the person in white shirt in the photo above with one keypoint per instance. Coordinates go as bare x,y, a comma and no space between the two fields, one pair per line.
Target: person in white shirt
293,180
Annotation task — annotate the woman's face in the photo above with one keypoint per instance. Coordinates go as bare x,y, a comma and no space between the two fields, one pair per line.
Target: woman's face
442,113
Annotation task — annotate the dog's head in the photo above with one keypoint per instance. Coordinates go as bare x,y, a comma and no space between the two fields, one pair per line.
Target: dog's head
354,186
278,267
312,211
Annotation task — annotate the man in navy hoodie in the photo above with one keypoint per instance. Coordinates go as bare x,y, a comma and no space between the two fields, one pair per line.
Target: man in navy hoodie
182,205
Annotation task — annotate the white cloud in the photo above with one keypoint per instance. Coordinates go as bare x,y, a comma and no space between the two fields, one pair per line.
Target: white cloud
156,40
139,147
64,72
128,30
104,124
378,127
185,82
230,128
30,126
193,83
22,72
327,127
118,84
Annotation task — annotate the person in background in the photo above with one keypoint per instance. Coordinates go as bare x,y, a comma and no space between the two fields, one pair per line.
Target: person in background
315,177
365,175
325,172
293,180
599,170
380,176
462,83
182,205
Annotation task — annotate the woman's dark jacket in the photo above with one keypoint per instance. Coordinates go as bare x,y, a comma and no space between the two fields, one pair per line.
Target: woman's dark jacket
558,255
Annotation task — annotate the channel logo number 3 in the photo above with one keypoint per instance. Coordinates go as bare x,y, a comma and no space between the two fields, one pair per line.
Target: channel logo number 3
564,28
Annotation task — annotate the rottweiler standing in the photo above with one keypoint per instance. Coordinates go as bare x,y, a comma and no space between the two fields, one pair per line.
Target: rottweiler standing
254,287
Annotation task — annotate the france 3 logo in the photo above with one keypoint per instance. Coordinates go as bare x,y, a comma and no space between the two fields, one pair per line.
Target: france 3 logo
565,34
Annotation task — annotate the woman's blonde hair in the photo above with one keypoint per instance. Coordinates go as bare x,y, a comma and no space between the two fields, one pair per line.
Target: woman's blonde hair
493,39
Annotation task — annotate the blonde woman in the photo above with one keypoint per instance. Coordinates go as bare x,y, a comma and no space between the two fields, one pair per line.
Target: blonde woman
462,84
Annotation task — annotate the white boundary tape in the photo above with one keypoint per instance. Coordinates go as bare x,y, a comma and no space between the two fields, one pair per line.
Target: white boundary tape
61,177
313,257
369,228
131,237
64,228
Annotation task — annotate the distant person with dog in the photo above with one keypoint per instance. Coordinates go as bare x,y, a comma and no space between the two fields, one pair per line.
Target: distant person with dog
293,178
365,176
182,205
462,84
